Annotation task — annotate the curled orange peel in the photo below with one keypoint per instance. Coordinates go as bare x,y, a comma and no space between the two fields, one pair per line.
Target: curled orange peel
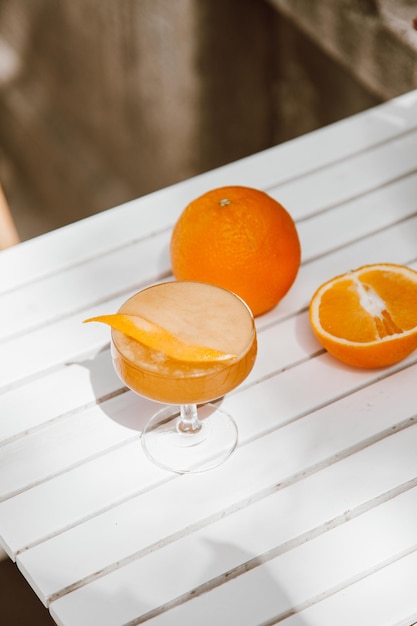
153,336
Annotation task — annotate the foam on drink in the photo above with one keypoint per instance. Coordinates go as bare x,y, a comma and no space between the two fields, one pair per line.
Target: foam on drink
197,314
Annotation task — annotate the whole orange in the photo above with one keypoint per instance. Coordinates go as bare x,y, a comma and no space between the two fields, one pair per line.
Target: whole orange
241,239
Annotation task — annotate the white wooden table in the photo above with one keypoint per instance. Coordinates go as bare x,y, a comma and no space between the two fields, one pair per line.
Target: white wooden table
313,520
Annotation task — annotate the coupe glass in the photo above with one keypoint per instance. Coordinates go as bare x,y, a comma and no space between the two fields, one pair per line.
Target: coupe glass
181,437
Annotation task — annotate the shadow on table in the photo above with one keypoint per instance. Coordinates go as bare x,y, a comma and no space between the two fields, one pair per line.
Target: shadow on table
115,400
119,403
252,583
244,593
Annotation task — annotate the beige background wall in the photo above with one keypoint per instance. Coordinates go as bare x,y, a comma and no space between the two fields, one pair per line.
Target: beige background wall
103,100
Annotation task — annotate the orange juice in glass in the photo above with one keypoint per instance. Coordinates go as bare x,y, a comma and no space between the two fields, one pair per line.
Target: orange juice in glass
216,335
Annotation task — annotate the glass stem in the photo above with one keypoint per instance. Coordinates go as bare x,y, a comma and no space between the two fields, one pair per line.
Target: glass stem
189,422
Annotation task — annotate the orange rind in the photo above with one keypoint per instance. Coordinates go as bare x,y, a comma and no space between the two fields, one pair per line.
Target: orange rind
157,338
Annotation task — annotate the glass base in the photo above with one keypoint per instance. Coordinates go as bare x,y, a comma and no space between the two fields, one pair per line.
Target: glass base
185,451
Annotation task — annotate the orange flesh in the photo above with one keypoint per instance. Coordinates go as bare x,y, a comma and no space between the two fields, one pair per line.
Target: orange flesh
375,305
368,317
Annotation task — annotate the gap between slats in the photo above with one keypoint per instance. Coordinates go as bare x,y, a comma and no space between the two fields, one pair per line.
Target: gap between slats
333,590
384,374
362,195
167,275
268,321
264,493
270,554
103,400
408,262
86,259
375,496
272,189
339,454
99,399
283,616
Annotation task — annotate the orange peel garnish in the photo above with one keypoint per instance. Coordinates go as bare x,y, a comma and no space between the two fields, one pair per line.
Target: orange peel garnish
153,336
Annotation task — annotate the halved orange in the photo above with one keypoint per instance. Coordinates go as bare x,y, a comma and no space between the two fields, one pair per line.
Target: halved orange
153,336
368,316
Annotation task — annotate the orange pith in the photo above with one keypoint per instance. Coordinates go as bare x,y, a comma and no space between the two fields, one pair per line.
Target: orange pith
241,239
368,317
153,336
